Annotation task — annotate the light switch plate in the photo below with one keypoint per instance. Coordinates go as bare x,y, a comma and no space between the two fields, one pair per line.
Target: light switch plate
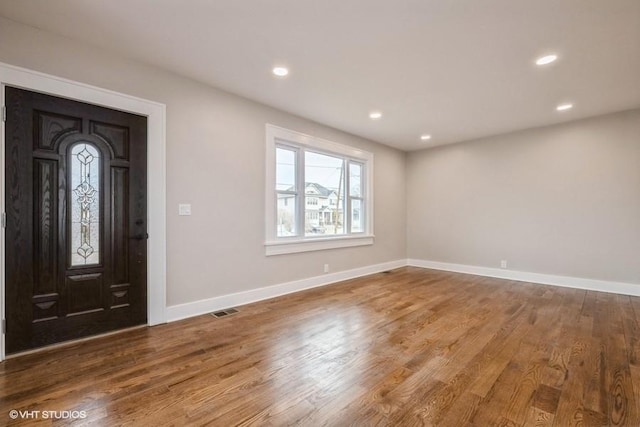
184,209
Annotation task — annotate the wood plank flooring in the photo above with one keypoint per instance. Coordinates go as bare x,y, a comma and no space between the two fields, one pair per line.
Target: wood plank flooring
408,347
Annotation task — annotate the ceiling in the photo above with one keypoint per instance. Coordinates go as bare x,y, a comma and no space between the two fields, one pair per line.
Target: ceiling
454,69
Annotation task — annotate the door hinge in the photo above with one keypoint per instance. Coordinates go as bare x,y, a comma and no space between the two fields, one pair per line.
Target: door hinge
4,220
4,113
4,326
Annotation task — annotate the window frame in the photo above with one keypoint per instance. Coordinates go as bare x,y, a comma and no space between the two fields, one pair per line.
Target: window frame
277,137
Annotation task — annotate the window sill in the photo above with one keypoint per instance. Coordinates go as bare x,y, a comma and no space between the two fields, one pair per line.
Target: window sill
317,244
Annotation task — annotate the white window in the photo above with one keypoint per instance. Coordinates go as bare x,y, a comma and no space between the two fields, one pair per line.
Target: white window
319,194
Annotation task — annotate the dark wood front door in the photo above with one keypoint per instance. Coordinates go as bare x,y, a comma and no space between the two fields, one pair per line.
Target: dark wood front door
76,206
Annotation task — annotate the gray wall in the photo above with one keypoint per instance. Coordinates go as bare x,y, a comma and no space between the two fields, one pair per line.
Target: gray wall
215,161
561,200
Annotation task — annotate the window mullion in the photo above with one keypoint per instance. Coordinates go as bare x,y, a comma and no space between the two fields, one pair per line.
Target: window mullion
363,188
347,193
367,208
300,187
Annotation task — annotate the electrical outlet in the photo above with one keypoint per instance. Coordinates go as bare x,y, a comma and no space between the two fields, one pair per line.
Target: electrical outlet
503,263
326,268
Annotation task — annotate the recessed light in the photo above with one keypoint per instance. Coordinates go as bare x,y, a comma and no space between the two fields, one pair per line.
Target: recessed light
375,115
564,107
547,59
280,71
425,137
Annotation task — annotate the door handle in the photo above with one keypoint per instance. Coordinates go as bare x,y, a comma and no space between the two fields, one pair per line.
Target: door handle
143,236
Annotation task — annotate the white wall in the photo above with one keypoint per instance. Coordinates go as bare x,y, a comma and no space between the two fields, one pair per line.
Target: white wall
560,200
215,161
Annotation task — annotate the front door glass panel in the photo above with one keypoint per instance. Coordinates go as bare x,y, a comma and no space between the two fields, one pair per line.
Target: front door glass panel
85,205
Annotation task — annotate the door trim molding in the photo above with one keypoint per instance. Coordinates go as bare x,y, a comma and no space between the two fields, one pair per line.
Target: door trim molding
156,172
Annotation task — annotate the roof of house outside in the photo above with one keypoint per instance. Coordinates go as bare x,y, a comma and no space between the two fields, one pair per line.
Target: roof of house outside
322,190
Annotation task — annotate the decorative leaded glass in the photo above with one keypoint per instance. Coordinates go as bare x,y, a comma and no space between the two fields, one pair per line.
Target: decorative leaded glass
85,205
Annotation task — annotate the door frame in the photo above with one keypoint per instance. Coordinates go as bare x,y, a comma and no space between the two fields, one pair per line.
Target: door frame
156,172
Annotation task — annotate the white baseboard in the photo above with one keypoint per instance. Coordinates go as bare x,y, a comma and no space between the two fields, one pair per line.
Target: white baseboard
182,311
524,276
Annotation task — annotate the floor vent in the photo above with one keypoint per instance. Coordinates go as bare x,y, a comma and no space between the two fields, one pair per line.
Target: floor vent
225,312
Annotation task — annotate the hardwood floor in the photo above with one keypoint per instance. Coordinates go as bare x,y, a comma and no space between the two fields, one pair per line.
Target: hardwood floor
409,347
